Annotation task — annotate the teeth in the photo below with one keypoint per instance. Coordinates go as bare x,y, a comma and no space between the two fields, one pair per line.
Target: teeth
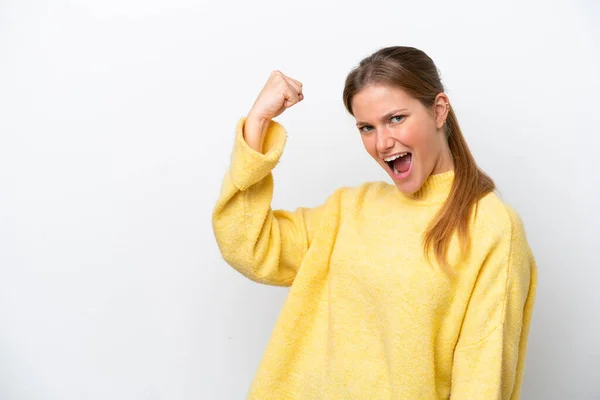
392,158
395,170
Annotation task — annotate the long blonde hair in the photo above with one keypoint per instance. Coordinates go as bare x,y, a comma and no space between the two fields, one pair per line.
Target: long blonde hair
415,72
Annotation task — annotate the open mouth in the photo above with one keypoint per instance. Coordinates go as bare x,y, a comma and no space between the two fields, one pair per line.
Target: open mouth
400,163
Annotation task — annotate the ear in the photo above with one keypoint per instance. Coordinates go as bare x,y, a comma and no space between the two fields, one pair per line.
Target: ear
441,108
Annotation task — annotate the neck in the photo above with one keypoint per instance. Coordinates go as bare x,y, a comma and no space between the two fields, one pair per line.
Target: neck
435,189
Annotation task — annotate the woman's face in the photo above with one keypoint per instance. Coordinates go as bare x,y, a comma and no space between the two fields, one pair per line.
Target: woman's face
402,135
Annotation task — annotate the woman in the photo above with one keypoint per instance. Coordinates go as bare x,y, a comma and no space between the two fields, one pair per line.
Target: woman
419,290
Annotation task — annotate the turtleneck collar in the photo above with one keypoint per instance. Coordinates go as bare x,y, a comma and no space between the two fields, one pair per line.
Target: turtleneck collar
435,189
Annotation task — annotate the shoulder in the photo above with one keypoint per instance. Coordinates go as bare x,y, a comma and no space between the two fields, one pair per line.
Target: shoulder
351,201
498,222
496,215
363,194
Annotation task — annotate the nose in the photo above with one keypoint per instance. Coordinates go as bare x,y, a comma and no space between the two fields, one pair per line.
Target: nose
385,141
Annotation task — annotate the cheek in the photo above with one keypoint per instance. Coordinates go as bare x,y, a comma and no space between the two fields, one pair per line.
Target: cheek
409,135
419,136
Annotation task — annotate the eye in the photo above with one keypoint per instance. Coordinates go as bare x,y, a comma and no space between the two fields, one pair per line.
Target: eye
397,118
365,128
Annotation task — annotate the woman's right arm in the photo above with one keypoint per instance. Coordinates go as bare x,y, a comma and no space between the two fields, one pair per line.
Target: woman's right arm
266,246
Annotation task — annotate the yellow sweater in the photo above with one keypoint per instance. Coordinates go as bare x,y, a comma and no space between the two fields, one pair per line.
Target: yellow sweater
367,317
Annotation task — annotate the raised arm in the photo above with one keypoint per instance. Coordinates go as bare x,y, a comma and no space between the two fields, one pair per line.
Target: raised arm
265,245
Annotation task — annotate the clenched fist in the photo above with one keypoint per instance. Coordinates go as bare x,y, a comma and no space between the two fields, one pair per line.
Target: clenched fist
279,93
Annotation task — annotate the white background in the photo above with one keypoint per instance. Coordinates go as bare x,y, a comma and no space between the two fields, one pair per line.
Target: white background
116,128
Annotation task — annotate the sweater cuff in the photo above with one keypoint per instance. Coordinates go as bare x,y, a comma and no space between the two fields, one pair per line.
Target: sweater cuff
249,166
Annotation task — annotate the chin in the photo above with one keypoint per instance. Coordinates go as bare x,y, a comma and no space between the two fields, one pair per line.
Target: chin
408,187
409,182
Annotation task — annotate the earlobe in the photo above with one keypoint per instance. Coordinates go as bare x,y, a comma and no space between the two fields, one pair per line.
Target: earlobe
440,119
442,108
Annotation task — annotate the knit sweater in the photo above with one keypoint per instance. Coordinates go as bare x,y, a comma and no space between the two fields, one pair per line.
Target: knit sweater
367,315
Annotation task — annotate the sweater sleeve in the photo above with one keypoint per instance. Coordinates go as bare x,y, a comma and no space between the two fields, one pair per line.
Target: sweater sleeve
264,245
490,354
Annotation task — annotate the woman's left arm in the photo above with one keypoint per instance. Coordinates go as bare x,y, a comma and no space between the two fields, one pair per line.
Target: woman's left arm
490,354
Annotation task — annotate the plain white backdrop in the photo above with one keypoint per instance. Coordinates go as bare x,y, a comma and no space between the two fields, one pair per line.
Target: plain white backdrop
116,128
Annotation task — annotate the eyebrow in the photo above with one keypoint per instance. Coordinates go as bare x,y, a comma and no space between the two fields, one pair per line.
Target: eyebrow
384,118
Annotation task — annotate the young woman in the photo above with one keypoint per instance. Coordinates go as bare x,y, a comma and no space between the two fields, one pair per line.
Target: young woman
418,290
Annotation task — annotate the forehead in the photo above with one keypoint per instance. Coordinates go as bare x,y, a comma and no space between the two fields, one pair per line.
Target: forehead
374,101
